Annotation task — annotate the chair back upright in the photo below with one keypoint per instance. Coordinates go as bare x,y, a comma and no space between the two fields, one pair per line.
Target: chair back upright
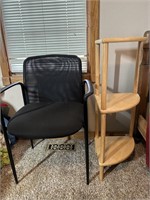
53,78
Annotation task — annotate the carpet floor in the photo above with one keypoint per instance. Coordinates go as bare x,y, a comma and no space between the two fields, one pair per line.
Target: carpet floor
60,175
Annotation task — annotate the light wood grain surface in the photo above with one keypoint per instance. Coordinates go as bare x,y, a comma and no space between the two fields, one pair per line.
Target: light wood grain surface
117,102
115,40
117,149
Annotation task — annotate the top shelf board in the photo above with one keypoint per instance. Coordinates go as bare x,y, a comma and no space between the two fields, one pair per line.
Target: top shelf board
115,40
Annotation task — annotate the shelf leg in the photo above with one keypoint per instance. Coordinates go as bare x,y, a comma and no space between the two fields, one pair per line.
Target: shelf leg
132,121
102,145
96,127
101,173
96,121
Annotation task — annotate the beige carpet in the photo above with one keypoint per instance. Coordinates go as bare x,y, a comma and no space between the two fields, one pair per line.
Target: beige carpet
60,175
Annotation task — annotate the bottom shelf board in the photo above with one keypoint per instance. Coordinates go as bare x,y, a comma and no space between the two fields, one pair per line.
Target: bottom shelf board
117,149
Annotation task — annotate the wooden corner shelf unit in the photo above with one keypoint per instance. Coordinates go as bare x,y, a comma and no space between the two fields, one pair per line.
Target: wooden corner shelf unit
114,149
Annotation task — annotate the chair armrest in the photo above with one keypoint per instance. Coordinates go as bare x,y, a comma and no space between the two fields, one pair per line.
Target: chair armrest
89,89
2,90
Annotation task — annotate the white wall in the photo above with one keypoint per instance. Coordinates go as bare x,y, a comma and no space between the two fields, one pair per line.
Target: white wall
123,18
148,11
13,97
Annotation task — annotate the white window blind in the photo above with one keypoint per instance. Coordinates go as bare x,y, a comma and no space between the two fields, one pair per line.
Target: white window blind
38,27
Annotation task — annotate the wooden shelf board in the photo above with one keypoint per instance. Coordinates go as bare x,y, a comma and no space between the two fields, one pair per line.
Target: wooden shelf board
117,102
117,149
115,40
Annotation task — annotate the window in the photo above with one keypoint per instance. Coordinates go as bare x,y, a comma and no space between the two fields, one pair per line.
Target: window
39,27
44,27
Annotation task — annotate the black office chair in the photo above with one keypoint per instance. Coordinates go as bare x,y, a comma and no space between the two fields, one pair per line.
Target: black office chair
55,102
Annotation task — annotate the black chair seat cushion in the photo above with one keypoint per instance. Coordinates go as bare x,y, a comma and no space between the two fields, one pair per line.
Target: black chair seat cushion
47,120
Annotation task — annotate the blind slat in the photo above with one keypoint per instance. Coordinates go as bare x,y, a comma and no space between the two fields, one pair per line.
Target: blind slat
44,27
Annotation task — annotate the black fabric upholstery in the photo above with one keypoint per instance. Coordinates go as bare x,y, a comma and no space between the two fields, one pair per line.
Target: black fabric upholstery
53,78
47,120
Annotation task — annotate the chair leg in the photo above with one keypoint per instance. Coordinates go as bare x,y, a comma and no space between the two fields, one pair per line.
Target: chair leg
32,144
101,173
11,157
69,137
86,155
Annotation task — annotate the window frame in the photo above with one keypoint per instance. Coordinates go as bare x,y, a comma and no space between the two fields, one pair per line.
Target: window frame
93,9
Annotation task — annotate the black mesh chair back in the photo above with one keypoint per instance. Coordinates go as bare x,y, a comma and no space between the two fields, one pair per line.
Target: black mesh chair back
53,78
